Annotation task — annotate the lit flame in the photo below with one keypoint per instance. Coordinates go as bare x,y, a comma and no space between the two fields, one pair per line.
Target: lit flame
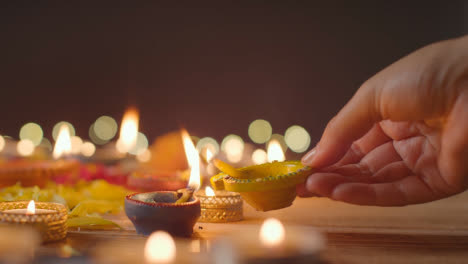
31,208
272,232
128,131
209,191
193,160
275,152
63,145
160,248
209,155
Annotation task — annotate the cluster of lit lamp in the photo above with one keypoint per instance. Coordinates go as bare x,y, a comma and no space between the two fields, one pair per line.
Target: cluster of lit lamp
163,214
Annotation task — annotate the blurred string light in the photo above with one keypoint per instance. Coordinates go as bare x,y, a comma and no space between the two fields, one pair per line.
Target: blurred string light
33,132
140,146
94,138
56,129
233,146
105,128
2,143
259,156
208,143
76,143
297,138
87,149
280,140
260,131
145,156
45,143
25,147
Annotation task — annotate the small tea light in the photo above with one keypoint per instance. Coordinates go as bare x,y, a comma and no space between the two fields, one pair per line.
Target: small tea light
160,248
219,206
49,219
274,242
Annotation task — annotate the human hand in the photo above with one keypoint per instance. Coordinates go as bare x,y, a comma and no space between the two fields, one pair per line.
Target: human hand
403,137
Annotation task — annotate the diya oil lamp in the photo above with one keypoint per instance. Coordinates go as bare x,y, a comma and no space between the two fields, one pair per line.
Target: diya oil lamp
49,219
219,206
39,172
267,186
174,212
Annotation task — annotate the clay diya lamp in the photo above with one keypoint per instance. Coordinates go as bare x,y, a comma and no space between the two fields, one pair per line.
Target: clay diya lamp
31,173
265,187
152,211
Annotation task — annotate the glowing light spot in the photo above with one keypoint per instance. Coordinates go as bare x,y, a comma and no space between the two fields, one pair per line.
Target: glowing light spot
233,146
87,149
145,156
56,129
209,191
260,131
275,152
297,138
272,232
25,147
2,143
76,143
280,140
63,145
259,156
33,132
105,128
141,144
208,143
94,138
160,248
128,131
31,208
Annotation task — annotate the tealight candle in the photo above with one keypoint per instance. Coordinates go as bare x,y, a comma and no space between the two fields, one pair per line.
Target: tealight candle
30,210
49,219
276,243
219,206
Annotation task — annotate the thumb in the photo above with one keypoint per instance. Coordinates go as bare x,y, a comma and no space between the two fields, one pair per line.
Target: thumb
351,123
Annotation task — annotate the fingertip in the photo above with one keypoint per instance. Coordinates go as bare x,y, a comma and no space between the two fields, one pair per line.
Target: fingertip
301,191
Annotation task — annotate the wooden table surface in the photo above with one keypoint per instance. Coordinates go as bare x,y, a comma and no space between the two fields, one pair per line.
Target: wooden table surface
435,232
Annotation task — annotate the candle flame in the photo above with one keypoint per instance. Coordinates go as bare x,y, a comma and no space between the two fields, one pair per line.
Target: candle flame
209,191
272,232
63,144
128,131
275,152
31,208
160,248
193,160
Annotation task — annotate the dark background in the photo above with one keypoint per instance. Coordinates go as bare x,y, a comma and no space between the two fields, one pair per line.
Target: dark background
212,69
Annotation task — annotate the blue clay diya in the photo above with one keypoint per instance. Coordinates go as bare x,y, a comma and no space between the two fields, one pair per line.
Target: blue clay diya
152,211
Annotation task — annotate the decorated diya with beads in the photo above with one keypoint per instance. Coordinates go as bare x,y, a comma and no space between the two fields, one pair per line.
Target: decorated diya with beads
265,187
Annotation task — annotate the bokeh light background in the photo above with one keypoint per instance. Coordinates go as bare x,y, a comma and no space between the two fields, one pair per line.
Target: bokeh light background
213,70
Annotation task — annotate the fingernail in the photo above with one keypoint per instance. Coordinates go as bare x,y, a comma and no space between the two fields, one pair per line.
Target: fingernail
309,157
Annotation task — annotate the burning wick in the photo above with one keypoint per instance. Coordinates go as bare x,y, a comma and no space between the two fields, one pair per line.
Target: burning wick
193,159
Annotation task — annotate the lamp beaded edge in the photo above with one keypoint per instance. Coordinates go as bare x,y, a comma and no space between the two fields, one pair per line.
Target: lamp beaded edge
51,226
221,208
